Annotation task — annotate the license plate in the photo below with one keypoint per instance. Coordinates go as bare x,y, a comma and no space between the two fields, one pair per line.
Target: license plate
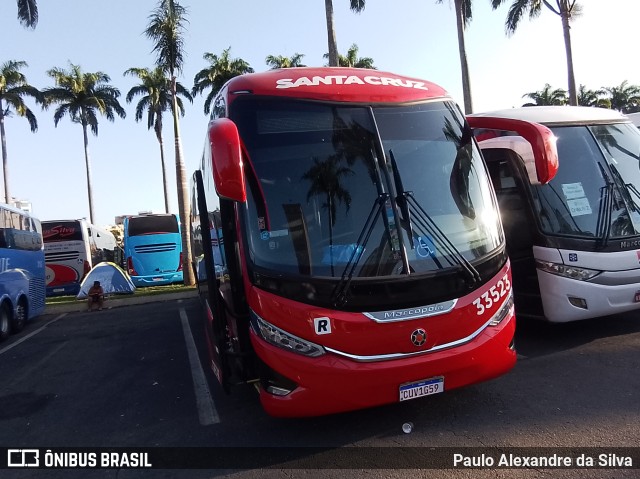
426,387
636,298
157,279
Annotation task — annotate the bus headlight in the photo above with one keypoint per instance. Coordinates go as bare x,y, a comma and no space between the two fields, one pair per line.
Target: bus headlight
572,272
282,339
504,311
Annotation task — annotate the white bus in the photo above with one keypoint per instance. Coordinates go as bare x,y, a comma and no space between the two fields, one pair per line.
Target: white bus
72,248
574,243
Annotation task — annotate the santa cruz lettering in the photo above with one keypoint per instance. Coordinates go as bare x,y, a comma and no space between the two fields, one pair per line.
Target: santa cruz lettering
493,295
349,80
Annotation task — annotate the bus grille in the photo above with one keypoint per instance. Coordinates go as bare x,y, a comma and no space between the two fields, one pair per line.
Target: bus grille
37,293
62,256
155,248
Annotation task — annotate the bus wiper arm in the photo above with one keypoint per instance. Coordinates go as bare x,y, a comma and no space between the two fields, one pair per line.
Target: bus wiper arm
603,224
407,204
339,295
401,199
424,220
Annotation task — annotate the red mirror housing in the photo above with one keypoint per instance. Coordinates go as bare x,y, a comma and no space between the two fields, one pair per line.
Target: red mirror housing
226,158
541,138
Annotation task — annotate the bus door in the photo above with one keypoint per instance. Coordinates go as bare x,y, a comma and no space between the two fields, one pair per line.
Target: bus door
505,169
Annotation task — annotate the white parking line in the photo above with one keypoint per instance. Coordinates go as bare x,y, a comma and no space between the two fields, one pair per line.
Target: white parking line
13,345
206,409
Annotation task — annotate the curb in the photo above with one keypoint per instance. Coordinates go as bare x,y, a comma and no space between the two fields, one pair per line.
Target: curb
119,301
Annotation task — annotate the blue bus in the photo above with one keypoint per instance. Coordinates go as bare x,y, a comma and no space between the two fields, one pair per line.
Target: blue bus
22,269
153,249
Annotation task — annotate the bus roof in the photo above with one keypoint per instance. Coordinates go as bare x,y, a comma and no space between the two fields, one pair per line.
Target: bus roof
5,206
336,84
559,115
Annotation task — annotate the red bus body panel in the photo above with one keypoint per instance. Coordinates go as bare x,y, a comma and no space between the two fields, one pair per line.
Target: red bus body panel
333,383
350,85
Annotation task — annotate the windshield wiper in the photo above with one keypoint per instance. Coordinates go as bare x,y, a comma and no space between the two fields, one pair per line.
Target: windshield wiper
628,187
603,224
339,295
410,206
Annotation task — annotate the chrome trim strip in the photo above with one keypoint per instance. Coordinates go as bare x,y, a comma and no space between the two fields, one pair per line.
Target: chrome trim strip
394,315
388,357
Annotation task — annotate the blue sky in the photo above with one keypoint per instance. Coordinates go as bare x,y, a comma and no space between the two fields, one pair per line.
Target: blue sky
410,37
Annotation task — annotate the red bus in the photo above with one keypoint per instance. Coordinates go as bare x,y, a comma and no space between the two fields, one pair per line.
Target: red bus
357,256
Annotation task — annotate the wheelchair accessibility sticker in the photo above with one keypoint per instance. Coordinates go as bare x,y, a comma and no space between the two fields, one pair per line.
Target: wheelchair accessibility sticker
424,247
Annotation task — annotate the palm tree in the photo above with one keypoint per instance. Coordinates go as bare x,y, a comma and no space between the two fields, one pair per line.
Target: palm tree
357,6
547,96
221,69
351,59
28,13
565,9
166,26
625,97
593,98
155,89
463,18
13,87
284,62
81,96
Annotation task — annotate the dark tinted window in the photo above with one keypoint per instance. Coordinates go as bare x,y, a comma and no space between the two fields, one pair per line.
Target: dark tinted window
53,231
148,225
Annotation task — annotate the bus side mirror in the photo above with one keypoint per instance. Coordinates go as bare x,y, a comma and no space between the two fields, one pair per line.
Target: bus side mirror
228,174
541,139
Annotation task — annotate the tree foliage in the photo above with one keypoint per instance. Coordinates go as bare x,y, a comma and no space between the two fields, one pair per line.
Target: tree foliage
279,61
221,69
13,89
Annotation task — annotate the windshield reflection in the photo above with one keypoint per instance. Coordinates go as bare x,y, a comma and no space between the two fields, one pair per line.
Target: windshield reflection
594,193
319,183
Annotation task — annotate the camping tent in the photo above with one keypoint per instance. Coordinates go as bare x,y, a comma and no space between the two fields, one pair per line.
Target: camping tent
113,279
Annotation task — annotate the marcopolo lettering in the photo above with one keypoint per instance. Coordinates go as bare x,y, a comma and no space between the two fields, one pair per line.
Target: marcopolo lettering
412,313
350,80
434,308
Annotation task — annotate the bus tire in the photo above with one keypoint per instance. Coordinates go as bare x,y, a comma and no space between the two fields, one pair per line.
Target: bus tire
5,322
20,318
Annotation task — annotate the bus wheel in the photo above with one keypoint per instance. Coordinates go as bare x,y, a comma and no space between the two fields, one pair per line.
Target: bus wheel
5,322
20,318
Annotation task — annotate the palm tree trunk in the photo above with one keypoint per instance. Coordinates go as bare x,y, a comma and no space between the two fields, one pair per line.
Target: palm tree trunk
331,34
88,167
5,164
464,66
566,30
164,175
183,194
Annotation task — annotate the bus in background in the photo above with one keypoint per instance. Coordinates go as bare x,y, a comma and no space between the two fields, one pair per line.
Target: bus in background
574,243
22,269
362,257
153,249
72,248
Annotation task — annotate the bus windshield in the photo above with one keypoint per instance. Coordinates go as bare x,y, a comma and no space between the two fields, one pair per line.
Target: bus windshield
322,177
594,196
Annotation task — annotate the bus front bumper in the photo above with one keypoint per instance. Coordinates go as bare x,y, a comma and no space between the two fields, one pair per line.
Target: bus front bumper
330,383
157,279
565,299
